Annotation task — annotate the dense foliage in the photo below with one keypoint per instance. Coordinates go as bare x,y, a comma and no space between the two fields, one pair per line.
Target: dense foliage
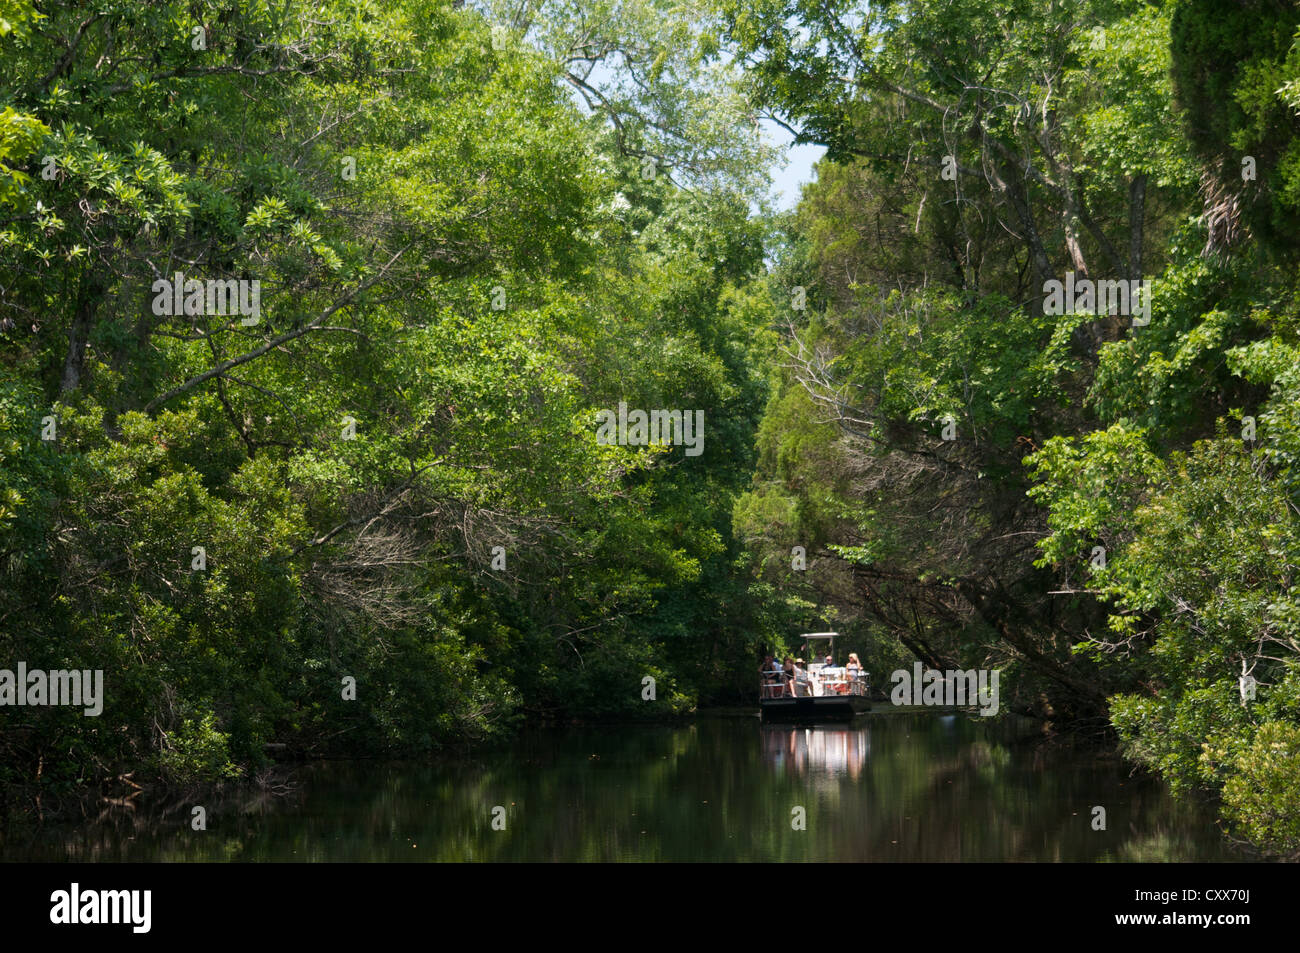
390,472
1102,503
373,514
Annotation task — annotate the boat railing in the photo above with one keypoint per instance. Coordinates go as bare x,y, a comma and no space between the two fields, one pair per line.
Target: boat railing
807,685
836,681
772,685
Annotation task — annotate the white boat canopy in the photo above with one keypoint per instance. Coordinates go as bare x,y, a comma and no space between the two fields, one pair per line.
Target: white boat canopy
820,635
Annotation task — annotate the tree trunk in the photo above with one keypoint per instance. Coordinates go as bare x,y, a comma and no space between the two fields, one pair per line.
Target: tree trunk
1041,264
1137,193
83,320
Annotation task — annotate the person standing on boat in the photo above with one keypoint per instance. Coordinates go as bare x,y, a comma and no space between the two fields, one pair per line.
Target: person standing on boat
770,673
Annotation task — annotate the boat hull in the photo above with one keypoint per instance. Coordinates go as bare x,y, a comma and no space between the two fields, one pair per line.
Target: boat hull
823,708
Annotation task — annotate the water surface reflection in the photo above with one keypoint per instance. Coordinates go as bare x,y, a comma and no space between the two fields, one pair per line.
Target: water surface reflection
921,786
825,749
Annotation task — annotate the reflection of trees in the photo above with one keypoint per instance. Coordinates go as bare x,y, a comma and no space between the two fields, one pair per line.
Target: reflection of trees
895,787
131,829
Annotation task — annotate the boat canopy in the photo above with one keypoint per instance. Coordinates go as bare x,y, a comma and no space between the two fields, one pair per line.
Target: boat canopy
819,635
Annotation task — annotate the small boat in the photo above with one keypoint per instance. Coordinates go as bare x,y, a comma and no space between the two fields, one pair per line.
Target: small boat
824,692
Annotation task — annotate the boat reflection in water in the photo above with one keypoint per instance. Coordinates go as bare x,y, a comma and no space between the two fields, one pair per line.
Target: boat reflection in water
833,750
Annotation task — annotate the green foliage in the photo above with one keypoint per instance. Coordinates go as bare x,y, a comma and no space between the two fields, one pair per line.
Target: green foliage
1110,512
20,132
1090,486
1263,794
197,753
453,252
474,230
1201,558
1123,114
1235,67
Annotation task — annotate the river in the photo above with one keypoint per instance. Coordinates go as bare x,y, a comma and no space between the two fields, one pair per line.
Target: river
892,786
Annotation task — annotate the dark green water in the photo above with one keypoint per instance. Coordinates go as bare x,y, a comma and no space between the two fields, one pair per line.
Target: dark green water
895,786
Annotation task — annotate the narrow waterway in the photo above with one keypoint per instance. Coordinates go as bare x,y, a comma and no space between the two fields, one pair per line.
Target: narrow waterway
917,786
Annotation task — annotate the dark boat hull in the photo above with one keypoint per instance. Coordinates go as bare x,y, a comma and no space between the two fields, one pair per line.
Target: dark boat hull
824,708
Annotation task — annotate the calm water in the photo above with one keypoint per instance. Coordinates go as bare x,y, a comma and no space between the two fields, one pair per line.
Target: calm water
912,786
